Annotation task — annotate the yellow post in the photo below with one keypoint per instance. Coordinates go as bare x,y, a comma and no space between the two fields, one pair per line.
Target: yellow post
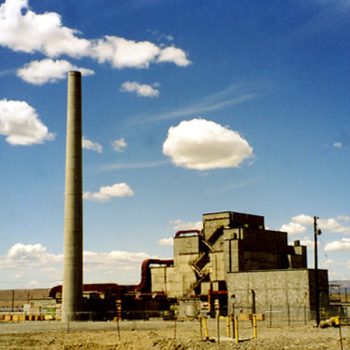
255,328
236,330
228,326
205,326
218,325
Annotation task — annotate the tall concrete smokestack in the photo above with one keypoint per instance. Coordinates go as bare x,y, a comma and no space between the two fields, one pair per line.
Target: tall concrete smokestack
73,215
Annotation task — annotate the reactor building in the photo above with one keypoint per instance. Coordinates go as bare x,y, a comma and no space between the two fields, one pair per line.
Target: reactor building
235,262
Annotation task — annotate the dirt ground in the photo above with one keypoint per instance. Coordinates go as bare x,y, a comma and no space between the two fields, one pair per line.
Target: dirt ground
163,335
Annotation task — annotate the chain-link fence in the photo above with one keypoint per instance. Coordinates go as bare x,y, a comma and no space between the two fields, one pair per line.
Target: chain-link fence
271,316
277,315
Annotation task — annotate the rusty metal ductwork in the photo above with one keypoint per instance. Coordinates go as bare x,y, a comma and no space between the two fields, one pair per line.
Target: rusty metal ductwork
145,285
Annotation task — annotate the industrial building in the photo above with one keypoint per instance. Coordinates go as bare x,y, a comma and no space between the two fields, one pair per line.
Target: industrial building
235,262
232,265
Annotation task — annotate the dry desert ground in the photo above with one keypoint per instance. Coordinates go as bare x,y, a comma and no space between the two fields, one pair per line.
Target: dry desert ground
162,335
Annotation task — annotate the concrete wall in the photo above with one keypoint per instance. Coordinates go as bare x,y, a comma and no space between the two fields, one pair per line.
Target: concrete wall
185,245
298,258
212,222
265,240
284,291
176,280
217,266
160,278
255,249
16,298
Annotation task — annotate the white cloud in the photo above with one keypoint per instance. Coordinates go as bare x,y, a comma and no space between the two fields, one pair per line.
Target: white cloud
20,123
329,262
166,241
203,145
143,90
116,266
293,228
123,53
332,225
336,246
303,219
108,192
175,55
23,263
92,146
298,224
169,37
48,71
338,145
178,225
24,30
32,265
119,145
307,242
301,223
343,218
114,256
145,165
31,252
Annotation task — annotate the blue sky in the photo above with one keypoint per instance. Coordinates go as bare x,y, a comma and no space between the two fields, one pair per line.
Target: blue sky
189,107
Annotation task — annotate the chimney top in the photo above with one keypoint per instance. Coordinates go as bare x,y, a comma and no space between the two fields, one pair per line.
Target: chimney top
74,72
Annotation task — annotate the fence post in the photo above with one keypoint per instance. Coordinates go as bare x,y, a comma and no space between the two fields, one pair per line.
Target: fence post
233,320
218,325
341,337
175,329
270,316
205,325
288,314
236,330
233,325
118,329
255,328
68,318
228,326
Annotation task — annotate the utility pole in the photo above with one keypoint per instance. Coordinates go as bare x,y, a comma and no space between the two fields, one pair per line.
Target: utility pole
317,292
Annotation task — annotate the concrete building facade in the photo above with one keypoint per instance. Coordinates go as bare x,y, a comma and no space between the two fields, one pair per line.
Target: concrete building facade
235,260
281,294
